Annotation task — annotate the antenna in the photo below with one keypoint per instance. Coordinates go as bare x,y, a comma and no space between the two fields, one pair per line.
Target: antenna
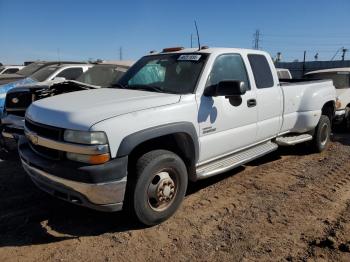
120,53
199,43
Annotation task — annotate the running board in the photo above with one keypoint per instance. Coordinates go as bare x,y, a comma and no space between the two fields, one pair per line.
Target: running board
229,162
293,140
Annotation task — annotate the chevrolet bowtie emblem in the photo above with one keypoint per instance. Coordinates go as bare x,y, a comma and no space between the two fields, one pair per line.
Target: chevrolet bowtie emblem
33,138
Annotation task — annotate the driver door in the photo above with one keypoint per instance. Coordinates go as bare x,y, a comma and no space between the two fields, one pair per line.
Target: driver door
227,124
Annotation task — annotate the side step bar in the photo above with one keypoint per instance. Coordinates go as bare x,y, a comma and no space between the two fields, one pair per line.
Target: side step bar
229,162
293,140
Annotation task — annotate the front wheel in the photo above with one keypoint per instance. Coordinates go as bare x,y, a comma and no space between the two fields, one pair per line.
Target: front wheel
322,134
160,186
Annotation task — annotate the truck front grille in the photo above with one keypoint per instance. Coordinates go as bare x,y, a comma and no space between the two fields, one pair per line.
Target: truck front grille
46,152
44,130
50,132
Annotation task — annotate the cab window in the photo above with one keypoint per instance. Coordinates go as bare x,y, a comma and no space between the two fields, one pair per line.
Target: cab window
261,71
228,67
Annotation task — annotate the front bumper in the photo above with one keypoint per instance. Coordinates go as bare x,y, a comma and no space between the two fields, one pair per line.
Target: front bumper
106,195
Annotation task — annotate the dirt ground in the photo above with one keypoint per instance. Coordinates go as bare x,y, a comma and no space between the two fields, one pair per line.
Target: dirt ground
288,206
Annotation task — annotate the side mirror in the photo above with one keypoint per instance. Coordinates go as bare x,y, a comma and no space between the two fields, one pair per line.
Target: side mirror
227,88
60,79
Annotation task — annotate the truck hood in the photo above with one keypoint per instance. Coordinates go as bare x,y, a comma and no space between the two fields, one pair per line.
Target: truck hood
80,110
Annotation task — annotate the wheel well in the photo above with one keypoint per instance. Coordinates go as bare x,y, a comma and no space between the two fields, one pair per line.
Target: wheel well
328,109
178,143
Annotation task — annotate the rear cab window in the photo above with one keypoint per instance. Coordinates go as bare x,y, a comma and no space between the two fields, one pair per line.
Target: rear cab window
261,71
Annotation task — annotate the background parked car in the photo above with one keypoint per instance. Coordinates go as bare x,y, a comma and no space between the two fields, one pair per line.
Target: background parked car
283,73
52,73
29,70
10,69
341,81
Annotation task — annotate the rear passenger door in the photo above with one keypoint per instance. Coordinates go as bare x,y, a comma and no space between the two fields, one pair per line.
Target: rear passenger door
269,97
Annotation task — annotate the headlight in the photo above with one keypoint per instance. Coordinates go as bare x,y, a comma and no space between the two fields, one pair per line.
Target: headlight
85,137
89,159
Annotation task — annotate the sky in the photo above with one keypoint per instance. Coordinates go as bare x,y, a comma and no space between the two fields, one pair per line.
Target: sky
81,30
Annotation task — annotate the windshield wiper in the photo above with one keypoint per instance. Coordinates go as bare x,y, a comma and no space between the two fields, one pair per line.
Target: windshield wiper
116,85
145,88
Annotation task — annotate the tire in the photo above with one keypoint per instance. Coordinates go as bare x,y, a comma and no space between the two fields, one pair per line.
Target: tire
159,188
322,134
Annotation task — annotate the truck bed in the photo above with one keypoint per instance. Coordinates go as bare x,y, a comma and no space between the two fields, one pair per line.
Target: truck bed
300,113
292,82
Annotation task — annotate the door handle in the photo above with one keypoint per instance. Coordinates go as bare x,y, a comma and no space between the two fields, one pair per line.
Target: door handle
251,102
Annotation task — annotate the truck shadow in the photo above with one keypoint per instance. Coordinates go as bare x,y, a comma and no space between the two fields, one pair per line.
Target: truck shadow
30,217
342,137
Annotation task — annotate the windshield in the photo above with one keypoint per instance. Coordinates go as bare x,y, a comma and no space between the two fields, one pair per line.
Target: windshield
168,73
340,79
44,73
30,69
102,75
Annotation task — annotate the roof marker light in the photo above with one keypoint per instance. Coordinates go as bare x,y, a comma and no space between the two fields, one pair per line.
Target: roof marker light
172,49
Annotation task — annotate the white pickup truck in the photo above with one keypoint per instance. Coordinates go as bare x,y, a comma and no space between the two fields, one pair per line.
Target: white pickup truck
175,116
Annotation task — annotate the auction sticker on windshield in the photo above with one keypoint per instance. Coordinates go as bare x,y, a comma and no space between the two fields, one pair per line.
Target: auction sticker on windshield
189,57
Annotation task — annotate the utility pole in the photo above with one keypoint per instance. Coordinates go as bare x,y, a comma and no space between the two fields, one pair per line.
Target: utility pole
256,40
120,53
278,58
304,62
344,50
191,39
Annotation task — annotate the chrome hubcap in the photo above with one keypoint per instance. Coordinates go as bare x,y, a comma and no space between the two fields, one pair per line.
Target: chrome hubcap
161,191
